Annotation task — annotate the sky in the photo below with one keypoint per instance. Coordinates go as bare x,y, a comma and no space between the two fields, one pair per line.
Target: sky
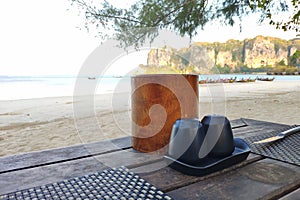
41,37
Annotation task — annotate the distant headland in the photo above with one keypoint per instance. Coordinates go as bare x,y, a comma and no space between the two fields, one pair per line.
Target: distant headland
259,54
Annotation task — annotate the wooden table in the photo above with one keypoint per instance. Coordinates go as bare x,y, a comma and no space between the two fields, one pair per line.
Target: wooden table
255,178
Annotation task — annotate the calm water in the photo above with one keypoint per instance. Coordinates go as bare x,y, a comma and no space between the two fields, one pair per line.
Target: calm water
26,87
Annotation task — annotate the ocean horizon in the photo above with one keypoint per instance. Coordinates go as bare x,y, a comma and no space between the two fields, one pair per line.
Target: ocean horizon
29,87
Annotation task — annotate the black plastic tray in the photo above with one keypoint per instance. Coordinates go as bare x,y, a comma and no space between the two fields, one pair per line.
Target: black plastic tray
209,164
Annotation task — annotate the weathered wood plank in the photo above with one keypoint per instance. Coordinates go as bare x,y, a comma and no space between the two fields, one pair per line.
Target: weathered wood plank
39,168
22,179
23,161
27,160
41,175
179,180
173,179
265,179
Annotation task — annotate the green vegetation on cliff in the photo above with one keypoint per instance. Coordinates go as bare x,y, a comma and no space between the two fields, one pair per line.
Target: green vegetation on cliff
259,54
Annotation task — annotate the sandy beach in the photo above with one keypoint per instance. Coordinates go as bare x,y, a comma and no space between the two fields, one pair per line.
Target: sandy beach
39,124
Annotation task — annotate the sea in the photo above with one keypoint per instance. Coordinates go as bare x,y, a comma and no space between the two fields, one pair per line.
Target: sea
28,87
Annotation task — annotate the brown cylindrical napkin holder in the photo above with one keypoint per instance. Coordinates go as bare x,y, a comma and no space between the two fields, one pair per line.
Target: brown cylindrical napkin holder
158,100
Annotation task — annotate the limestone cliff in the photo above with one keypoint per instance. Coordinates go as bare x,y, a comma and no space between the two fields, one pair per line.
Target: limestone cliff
201,57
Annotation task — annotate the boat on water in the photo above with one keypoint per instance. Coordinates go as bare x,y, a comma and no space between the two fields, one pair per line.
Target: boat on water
91,78
232,80
229,80
266,79
202,81
221,80
243,80
252,80
246,80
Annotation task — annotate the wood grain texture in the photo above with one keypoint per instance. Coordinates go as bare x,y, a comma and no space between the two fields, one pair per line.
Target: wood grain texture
32,159
174,179
28,160
37,176
255,178
265,179
41,175
157,102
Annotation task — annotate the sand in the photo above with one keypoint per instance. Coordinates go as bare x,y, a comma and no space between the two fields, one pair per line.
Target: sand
39,124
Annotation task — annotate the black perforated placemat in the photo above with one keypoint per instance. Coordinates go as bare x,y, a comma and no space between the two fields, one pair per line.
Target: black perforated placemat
287,149
119,184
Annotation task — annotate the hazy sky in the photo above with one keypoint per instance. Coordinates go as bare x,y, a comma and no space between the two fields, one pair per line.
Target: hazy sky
39,37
